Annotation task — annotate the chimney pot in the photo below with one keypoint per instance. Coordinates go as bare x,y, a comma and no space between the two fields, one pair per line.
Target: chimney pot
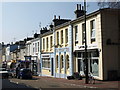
54,16
80,6
58,17
77,6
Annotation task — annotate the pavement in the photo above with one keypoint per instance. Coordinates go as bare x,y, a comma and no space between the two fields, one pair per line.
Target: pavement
98,84
47,83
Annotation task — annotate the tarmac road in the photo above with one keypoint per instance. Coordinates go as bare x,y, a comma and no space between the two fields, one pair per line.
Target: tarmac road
8,85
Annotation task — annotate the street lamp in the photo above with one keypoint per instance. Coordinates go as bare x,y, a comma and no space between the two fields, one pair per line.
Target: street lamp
86,60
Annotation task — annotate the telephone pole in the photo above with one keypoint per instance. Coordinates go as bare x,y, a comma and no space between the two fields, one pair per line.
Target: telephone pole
86,60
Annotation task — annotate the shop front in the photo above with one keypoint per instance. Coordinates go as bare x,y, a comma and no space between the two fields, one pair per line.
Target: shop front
47,64
62,63
92,57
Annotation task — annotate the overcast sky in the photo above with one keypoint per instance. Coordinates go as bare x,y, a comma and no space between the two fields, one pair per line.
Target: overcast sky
21,19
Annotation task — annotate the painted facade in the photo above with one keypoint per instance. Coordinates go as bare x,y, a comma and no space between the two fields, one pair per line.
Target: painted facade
47,56
59,52
33,54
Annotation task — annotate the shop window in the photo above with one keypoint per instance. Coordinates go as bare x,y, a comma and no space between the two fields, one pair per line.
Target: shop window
67,61
46,63
57,61
62,61
94,67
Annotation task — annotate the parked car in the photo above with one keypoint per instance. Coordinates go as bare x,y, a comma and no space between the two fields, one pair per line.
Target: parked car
3,73
11,73
25,73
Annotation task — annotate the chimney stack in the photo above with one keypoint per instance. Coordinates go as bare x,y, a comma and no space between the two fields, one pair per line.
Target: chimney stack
79,12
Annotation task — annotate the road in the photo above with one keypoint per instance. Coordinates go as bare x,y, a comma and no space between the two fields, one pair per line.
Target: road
42,83
8,85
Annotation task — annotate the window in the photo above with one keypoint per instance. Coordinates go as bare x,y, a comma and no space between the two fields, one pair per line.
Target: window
76,33
92,27
83,33
67,61
62,37
62,61
66,35
57,61
35,47
94,67
47,43
43,43
46,63
51,42
38,47
57,37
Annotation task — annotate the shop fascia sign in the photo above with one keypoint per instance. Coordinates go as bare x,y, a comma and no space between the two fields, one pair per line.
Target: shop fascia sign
82,47
45,55
62,50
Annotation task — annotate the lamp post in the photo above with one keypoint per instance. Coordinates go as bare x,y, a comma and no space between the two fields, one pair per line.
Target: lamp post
86,60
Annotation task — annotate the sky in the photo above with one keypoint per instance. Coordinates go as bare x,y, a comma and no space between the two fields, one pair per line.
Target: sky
19,20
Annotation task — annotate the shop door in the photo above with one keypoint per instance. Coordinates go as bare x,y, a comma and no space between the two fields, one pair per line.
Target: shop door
52,71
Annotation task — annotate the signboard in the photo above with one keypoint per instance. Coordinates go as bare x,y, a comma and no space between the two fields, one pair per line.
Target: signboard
62,50
82,47
45,55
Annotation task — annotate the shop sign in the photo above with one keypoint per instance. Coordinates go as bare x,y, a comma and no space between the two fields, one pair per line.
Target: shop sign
62,50
82,47
45,55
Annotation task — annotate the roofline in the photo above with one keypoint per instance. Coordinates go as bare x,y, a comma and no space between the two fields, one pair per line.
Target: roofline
47,33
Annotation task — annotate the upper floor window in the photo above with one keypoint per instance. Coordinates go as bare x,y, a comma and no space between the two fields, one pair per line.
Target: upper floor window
51,42
92,27
83,33
47,43
66,35
76,33
35,47
38,47
62,37
43,43
57,37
